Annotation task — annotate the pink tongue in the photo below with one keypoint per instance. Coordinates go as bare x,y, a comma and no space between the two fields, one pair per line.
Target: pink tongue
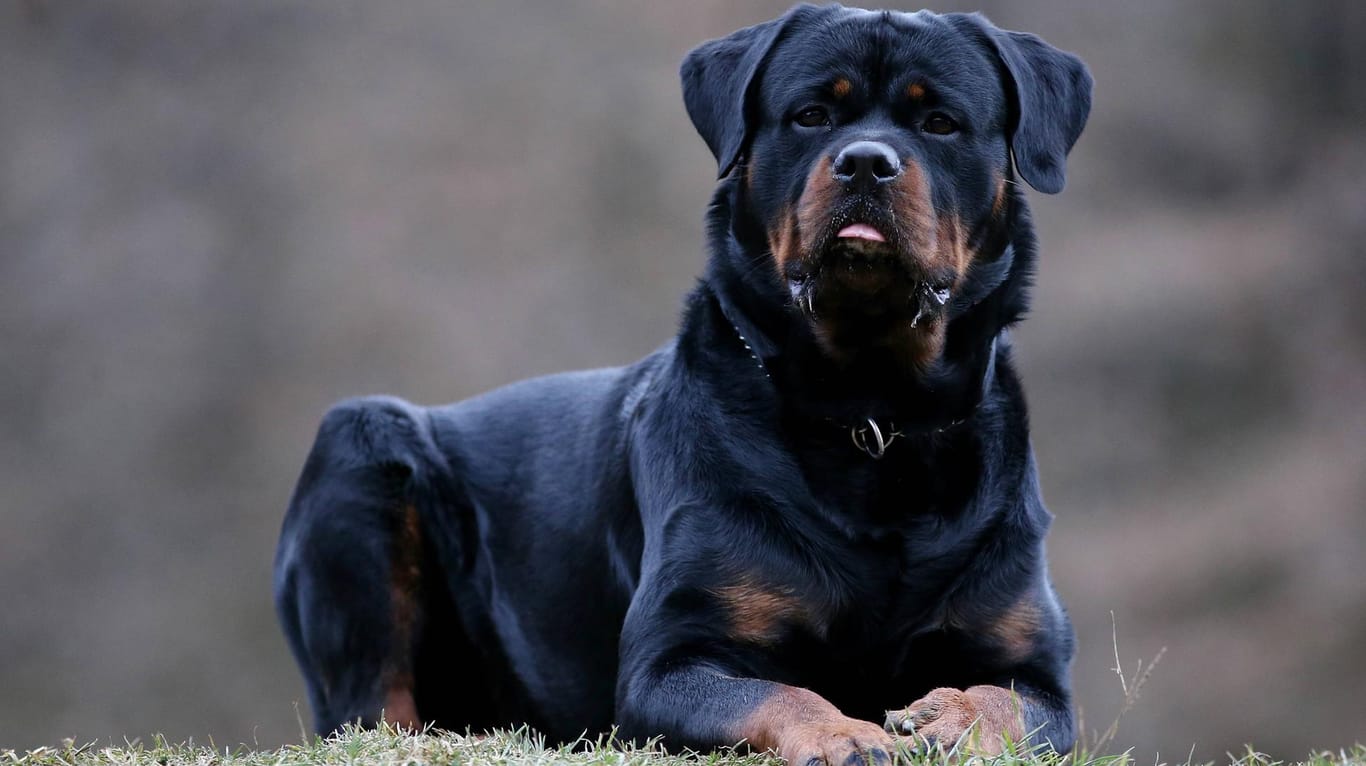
861,231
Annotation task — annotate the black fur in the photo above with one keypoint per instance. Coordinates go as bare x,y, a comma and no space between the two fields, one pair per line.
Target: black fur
567,551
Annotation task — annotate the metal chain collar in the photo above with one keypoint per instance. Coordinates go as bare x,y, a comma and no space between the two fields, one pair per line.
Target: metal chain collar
868,437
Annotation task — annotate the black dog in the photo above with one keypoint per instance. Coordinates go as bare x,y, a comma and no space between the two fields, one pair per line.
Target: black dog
817,504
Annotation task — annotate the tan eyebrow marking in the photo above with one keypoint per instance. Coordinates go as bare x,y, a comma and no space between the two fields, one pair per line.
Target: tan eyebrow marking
842,87
915,91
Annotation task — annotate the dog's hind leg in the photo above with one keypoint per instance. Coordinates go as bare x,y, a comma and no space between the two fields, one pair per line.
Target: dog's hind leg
349,568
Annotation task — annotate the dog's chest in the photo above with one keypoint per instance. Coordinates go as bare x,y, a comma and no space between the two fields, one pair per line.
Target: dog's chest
897,546
913,480
889,612
895,584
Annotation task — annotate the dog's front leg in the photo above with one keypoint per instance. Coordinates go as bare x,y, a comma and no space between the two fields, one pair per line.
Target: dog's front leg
689,673
1026,645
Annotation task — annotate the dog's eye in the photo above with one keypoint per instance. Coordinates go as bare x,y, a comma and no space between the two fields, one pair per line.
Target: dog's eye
940,125
812,117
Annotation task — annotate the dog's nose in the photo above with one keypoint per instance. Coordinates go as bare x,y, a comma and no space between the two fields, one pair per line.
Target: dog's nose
863,165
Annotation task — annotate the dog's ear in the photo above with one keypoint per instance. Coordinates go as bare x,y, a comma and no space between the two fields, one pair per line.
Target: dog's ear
1051,94
718,79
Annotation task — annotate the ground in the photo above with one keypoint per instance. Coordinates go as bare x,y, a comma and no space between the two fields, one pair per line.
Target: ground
389,748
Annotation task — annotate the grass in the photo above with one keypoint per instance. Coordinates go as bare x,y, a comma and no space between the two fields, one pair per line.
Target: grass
390,747
355,747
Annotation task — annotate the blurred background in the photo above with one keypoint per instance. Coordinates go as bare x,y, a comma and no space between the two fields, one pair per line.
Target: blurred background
217,218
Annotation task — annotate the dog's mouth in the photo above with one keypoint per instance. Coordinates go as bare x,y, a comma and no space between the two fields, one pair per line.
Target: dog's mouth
861,264
856,233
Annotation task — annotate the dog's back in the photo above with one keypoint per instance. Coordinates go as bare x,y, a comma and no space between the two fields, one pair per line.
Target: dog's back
472,510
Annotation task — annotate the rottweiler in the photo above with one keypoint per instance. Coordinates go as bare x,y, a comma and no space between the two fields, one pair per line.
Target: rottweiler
817,504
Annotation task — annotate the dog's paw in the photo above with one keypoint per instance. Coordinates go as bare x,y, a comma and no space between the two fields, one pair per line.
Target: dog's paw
977,720
836,742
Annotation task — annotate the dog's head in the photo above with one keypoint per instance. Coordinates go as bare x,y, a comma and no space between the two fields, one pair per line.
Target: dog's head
873,151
